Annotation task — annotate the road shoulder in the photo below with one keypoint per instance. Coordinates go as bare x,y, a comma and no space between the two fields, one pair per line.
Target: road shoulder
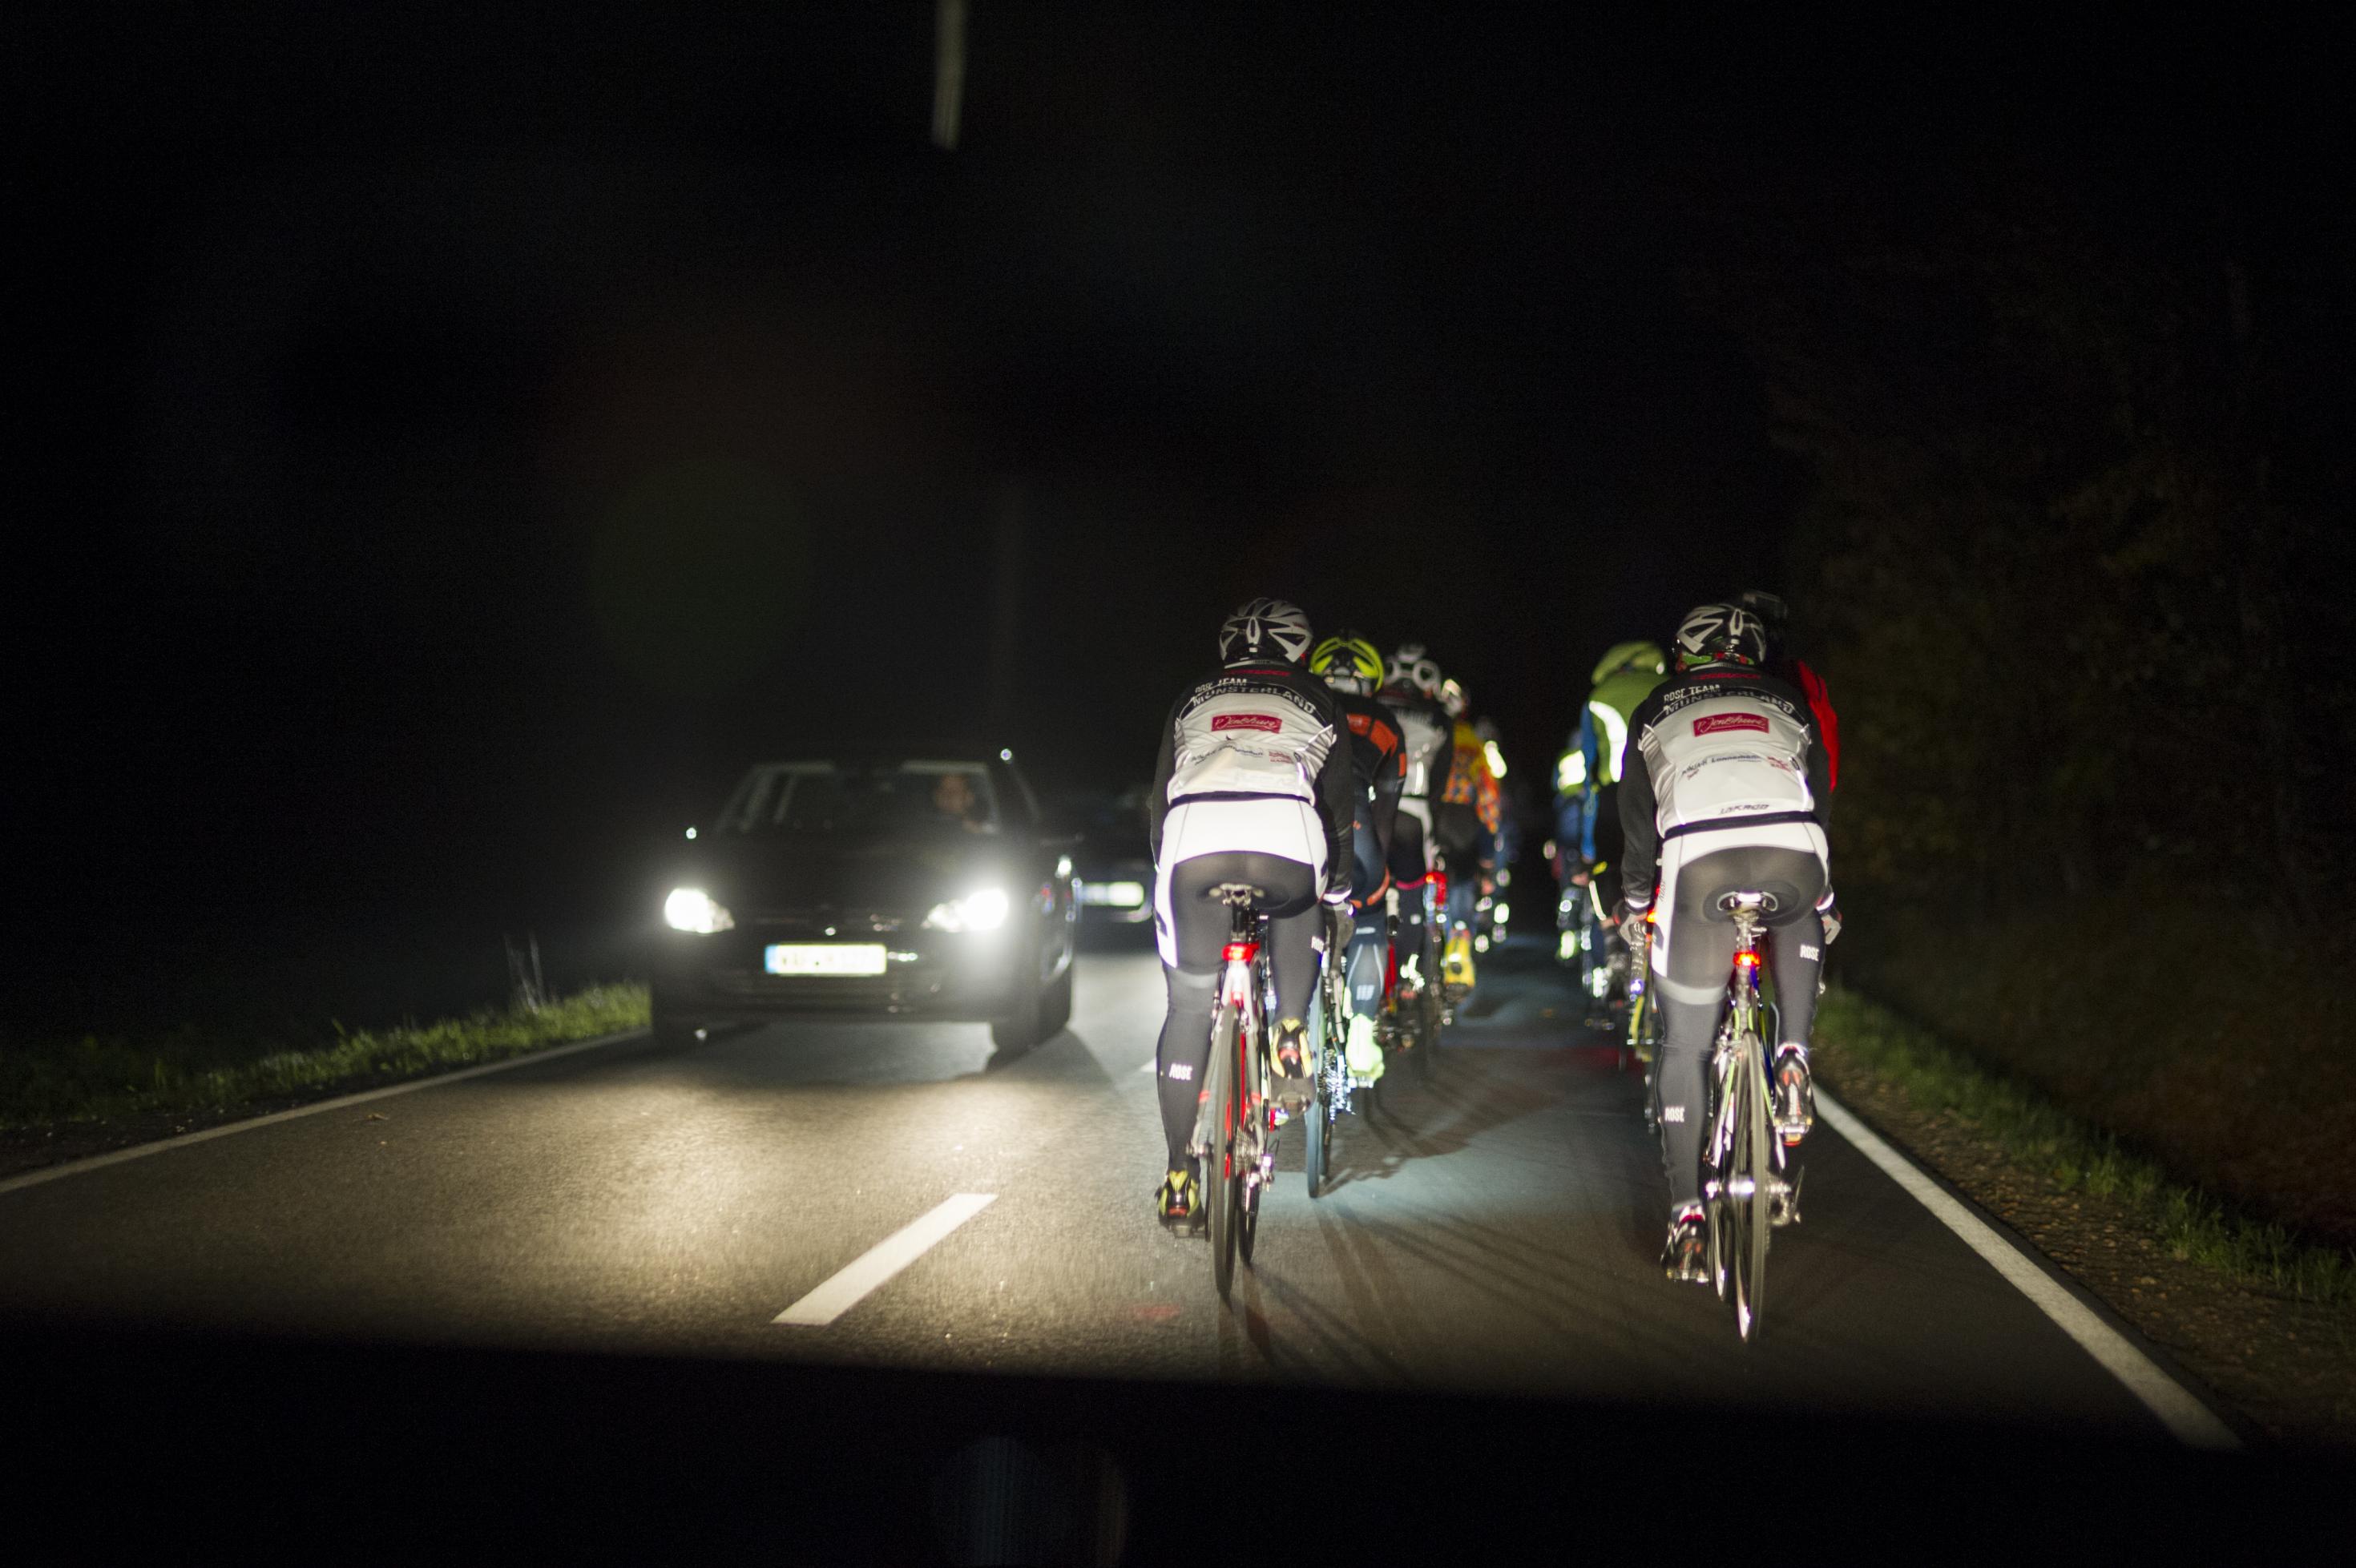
2288,1365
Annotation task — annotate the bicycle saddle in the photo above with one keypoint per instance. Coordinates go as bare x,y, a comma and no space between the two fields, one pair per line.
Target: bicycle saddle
1766,903
1239,894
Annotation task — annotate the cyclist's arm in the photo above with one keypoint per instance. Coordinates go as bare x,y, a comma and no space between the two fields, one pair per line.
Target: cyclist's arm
1820,703
1640,857
1820,775
1443,761
1337,795
1157,799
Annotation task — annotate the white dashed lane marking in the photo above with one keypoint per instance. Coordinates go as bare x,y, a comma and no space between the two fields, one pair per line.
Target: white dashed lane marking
849,1285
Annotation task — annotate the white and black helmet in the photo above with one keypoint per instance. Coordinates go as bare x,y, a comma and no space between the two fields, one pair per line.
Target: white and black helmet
1266,628
1412,669
1721,634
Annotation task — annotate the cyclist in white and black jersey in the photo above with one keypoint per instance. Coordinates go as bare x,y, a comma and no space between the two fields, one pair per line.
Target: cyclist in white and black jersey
1411,690
1726,790
1253,785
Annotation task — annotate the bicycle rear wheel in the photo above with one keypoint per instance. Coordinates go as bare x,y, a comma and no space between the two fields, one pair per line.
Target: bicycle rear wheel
1753,1171
1219,1153
1255,1136
1316,1127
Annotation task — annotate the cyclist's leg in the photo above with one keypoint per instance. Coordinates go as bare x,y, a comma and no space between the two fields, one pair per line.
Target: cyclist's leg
1191,927
1408,867
1693,950
1795,955
1369,944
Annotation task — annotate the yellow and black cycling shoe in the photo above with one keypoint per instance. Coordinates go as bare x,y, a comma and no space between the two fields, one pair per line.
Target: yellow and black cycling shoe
1178,1198
1288,1061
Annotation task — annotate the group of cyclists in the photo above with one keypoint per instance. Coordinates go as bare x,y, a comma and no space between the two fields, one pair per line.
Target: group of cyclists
1331,780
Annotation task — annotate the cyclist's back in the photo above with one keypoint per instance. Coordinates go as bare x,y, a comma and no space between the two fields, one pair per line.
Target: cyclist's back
1724,792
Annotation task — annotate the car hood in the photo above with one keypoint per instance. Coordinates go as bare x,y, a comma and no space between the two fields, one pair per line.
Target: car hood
898,876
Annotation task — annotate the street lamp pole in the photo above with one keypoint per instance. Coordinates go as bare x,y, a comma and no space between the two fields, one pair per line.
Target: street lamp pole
949,72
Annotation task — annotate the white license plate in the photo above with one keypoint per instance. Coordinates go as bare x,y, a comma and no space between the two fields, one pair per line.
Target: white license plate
1113,895
824,958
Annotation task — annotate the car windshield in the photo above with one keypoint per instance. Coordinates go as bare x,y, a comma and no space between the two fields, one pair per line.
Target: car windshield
862,799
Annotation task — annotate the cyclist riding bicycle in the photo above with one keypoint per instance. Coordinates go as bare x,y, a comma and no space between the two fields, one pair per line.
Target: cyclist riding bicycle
1465,825
1411,691
1252,785
1586,778
1506,839
1727,790
1350,665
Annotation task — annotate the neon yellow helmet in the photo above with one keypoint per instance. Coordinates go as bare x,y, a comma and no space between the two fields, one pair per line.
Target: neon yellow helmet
1644,658
1348,662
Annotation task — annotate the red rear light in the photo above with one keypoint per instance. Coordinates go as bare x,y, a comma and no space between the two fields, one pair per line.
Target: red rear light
1747,960
1239,952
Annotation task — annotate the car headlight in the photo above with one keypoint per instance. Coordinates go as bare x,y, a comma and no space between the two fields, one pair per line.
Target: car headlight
692,909
983,911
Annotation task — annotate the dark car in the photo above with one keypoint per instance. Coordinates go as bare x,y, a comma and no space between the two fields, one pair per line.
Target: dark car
1114,861
899,886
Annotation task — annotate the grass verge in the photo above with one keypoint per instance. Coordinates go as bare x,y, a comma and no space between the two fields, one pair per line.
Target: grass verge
95,1078
2074,1155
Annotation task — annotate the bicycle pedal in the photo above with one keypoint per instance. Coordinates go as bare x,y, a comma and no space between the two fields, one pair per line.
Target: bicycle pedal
1783,1204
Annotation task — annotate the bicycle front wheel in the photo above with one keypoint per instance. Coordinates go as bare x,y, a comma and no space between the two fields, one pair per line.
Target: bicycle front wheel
1219,1150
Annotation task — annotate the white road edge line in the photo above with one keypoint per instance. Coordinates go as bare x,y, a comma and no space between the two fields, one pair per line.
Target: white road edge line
141,1151
848,1285
2191,1422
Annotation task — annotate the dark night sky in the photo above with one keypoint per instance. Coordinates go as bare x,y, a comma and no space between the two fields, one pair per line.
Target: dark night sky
456,440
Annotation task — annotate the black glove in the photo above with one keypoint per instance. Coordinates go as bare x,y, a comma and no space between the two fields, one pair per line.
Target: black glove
1631,927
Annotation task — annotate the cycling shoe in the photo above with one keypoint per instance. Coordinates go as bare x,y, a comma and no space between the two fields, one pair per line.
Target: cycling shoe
1177,1197
1795,1094
1685,1255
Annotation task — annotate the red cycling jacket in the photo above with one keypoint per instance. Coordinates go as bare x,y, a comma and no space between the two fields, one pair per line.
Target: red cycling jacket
1820,703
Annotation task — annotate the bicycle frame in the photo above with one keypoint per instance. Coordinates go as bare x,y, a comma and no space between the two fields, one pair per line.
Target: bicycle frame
1246,985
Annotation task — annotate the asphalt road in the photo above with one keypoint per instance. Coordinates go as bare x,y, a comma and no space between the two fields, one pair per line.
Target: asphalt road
1494,1232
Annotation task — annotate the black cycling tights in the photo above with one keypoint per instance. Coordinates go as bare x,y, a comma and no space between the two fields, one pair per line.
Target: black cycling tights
1408,870
1200,926
1701,954
1369,942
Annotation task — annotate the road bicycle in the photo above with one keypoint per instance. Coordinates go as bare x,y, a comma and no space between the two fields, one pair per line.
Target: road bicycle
1234,1141
1745,1191
1329,1027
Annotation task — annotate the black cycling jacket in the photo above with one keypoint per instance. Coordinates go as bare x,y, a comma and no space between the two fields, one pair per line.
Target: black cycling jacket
1379,755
